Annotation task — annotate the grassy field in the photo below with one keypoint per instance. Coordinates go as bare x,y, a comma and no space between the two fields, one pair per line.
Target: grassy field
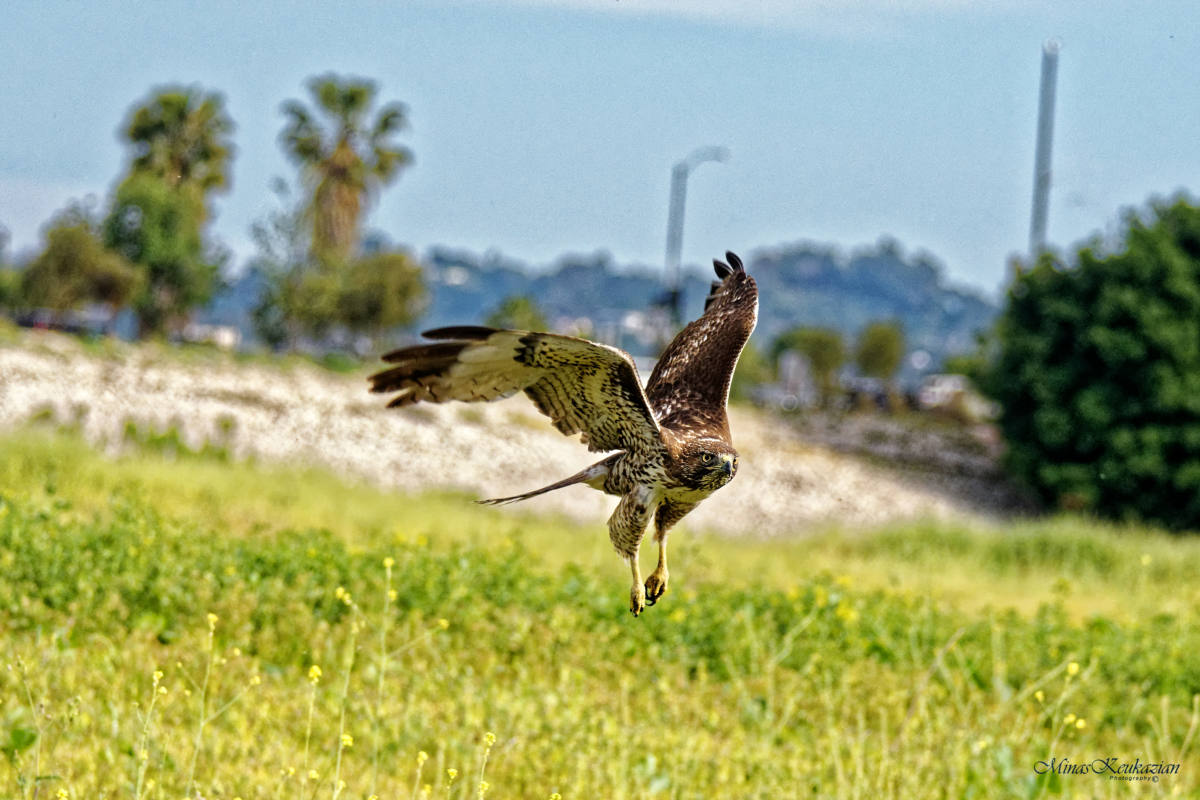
187,627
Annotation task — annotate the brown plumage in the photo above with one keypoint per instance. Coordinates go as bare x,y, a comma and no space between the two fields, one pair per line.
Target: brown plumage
673,440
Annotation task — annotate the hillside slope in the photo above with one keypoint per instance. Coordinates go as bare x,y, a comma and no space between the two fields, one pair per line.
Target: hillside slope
786,484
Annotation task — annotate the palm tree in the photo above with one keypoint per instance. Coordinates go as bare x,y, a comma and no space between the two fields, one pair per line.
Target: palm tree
181,135
346,161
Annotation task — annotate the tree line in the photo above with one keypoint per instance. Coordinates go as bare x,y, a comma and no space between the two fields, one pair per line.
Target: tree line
1095,360
148,247
877,352
1094,363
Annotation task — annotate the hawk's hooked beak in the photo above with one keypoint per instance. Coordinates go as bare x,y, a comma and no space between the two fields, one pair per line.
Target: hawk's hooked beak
727,465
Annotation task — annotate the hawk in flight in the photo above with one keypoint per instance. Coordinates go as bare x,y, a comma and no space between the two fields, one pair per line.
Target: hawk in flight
671,439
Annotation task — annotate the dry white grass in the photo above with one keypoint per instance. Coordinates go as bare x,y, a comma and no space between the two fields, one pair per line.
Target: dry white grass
311,416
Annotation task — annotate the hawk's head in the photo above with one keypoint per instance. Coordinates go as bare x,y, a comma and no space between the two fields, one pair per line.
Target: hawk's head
706,464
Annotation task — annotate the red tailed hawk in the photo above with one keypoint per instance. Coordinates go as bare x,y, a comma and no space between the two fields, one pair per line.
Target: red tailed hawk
671,439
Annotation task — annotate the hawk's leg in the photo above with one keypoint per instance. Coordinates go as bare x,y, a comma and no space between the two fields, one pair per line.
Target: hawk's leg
667,515
637,595
626,527
656,584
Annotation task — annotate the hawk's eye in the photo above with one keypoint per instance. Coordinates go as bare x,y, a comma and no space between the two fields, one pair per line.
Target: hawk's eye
707,458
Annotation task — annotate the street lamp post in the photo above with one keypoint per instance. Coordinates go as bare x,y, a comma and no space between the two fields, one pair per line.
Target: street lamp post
679,176
1045,140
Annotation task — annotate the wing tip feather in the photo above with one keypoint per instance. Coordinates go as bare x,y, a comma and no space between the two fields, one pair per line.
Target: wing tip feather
731,264
470,333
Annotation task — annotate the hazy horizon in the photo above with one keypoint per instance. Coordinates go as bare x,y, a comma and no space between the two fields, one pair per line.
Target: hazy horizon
543,128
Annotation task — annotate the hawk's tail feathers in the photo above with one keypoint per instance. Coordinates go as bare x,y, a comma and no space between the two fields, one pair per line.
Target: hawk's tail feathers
593,476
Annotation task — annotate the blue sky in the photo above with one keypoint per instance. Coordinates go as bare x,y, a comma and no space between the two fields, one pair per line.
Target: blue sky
549,126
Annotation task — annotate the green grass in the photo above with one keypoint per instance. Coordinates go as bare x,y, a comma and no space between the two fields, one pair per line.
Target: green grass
927,660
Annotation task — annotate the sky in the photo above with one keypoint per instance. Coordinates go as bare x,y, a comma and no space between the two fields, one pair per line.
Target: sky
545,127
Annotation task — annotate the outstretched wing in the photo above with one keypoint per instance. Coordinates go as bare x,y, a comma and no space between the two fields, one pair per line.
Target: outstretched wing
582,386
690,383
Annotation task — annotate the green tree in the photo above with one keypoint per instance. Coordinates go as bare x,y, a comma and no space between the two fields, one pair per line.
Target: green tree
345,160
311,297
180,135
76,267
381,291
303,296
1098,373
823,348
158,229
179,139
269,316
10,279
976,364
518,312
753,369
282,260
879,350
10,289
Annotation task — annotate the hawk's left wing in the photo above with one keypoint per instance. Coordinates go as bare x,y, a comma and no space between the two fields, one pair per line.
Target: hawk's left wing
690,382
582,386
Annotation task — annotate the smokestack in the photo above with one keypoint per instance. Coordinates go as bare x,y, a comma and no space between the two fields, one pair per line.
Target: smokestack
1045,137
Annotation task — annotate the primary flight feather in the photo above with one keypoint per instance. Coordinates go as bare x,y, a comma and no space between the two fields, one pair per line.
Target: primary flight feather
672,440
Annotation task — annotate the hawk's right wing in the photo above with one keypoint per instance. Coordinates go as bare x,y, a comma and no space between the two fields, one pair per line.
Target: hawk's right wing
582,386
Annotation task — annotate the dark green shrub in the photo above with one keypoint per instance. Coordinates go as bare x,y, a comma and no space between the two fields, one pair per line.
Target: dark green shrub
1099,373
